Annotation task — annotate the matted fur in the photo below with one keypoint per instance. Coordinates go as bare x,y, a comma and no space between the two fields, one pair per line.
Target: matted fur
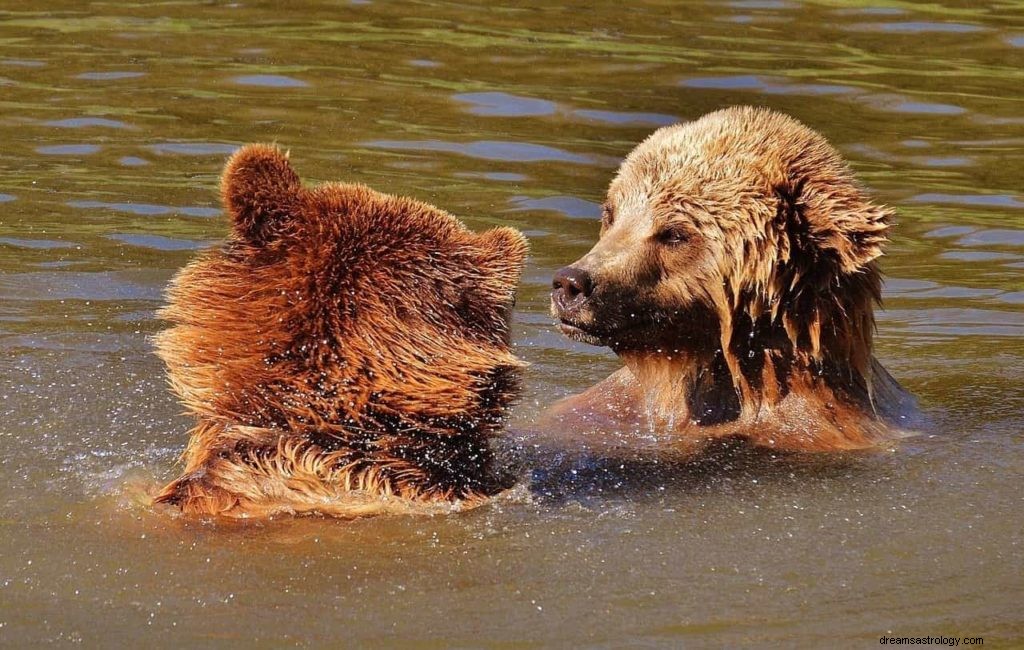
345,352
736,277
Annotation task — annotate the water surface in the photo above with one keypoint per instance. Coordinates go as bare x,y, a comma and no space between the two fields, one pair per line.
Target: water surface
116,119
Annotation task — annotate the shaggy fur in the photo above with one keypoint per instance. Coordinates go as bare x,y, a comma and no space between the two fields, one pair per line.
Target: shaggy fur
346,352
736,277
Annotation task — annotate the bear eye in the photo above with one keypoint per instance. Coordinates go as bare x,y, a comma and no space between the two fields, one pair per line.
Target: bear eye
673,236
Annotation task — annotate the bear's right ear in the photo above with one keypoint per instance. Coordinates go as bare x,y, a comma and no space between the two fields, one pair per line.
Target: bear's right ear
261,193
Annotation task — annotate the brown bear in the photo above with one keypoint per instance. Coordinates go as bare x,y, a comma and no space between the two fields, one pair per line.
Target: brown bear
736,277
345,352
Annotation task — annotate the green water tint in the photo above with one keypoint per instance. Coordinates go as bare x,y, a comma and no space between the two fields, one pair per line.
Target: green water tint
116,120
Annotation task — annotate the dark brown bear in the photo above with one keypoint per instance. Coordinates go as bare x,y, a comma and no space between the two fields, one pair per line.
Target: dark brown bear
736,277
346,352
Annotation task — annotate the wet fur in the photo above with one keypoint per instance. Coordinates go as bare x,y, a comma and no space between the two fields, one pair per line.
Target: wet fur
346,352
736,276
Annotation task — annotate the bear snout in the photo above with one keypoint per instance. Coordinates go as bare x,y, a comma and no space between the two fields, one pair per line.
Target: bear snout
571,291
570,288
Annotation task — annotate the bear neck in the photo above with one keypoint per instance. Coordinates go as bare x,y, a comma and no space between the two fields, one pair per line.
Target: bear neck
743,387
670,381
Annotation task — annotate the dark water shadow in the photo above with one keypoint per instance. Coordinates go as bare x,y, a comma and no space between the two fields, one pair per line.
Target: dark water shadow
559,477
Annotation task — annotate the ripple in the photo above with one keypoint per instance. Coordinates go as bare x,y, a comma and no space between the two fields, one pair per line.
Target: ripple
869,151
903,287
110,76
413,165
941,161
627,118
83,122
954,322
914,143
949,231
23,63
147,209
158,242
4,198
762,4
894,103
1013,297
1016,41
981,200
916,27
989,142
489,150
133,161
425,63
68,149
993,237
194,148
569,206
504,177
37,243
957,293
269,80
68,285
767,85
498,104
871,11
979,256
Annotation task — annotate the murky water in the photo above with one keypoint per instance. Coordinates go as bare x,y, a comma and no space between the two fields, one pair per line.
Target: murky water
115,120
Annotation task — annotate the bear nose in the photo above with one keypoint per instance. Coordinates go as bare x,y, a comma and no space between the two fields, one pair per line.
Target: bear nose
571,285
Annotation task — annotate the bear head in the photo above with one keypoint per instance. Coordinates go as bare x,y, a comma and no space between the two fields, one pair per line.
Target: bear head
742,234
342,312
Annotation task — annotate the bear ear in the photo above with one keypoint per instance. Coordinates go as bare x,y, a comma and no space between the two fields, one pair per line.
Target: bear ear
261,193
842,229
504,254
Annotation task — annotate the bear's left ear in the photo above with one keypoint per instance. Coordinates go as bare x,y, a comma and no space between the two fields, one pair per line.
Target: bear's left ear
261,193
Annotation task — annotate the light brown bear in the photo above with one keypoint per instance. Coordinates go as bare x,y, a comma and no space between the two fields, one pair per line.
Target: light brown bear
736,277
345,352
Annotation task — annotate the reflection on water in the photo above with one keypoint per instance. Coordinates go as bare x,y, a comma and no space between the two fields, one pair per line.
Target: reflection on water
193,148
106,76
489,150
566,206
146,208
116,119
766,85
919,27
271,80
81,122
68,149
991,200
505,105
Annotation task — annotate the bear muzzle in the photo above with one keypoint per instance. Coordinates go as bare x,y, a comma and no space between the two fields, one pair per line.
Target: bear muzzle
571,289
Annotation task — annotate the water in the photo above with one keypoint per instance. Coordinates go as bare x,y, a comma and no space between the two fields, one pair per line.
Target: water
116,118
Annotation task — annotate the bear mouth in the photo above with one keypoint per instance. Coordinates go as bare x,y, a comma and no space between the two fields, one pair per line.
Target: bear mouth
636,333
579,332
